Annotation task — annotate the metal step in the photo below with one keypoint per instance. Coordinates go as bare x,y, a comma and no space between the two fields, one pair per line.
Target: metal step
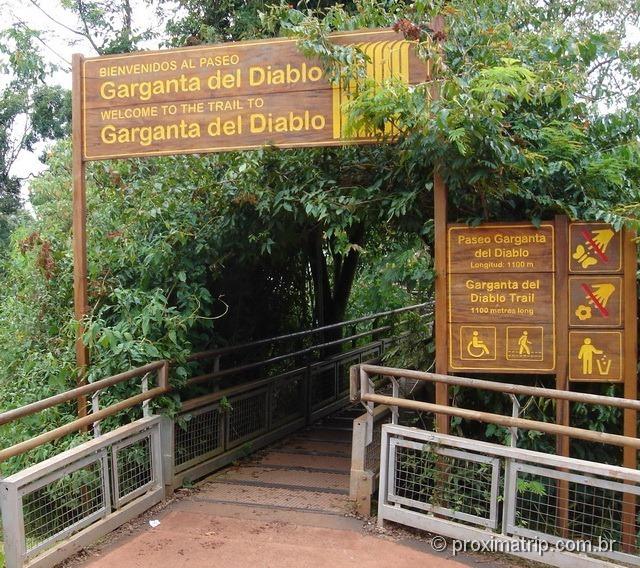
301,460
315,480
272,496
307,445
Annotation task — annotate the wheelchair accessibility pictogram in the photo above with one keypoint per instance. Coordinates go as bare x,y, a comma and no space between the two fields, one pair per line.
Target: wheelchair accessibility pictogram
477,343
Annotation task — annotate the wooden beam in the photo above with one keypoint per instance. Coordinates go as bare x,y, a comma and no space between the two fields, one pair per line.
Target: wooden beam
630,374
80,296
563,413
440,266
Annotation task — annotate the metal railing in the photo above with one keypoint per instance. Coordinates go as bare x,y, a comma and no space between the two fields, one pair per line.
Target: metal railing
570,512
161,368
52,509
57,507
215,429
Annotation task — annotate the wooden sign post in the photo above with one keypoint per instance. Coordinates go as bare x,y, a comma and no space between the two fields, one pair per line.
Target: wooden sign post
80,295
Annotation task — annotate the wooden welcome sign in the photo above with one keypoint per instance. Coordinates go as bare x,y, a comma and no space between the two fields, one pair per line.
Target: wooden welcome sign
232,96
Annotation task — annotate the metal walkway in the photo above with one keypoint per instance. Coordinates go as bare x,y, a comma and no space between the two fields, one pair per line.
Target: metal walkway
307,472
236,401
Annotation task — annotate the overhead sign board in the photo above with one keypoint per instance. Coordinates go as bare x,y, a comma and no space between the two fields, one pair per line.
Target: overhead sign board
231,96
501,297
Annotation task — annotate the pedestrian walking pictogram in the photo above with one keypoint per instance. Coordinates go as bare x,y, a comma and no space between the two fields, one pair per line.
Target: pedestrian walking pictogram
524,343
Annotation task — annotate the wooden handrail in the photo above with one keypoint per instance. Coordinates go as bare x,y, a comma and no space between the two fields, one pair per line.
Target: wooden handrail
508,421
79,424
506,388
90,388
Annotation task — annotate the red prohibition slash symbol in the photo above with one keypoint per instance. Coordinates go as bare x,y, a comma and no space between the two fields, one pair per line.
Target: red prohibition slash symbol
594,246
596,302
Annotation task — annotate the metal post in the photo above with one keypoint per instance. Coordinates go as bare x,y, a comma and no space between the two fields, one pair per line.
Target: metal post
13,525
95,407
384,467
509,499
167,444
396,394
146,411
515,413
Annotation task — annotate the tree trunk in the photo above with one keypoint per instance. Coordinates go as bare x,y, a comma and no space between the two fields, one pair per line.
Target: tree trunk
331,304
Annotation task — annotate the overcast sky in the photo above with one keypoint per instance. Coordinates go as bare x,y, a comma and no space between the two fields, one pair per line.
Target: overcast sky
58,45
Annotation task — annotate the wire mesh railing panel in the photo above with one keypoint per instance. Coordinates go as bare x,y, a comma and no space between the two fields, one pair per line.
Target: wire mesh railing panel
323,386
596,513
460,485
247,416
198,436
585,512
287,399
591,511
537,504
64,505
371,354
372,449
133,468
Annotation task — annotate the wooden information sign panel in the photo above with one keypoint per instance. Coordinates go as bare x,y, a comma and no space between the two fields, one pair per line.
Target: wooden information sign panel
494,247
508,297
596,303
501,300
594,248
231,96
595,356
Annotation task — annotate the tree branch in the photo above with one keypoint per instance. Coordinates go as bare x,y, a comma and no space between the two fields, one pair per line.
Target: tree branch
87,34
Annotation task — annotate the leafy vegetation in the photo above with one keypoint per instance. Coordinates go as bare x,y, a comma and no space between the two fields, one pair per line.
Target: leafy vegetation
537,114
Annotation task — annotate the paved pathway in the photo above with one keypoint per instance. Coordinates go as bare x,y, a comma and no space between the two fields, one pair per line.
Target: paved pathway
286,507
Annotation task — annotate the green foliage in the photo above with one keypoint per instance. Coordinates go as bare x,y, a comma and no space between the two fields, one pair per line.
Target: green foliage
151,228
108,25
537,114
